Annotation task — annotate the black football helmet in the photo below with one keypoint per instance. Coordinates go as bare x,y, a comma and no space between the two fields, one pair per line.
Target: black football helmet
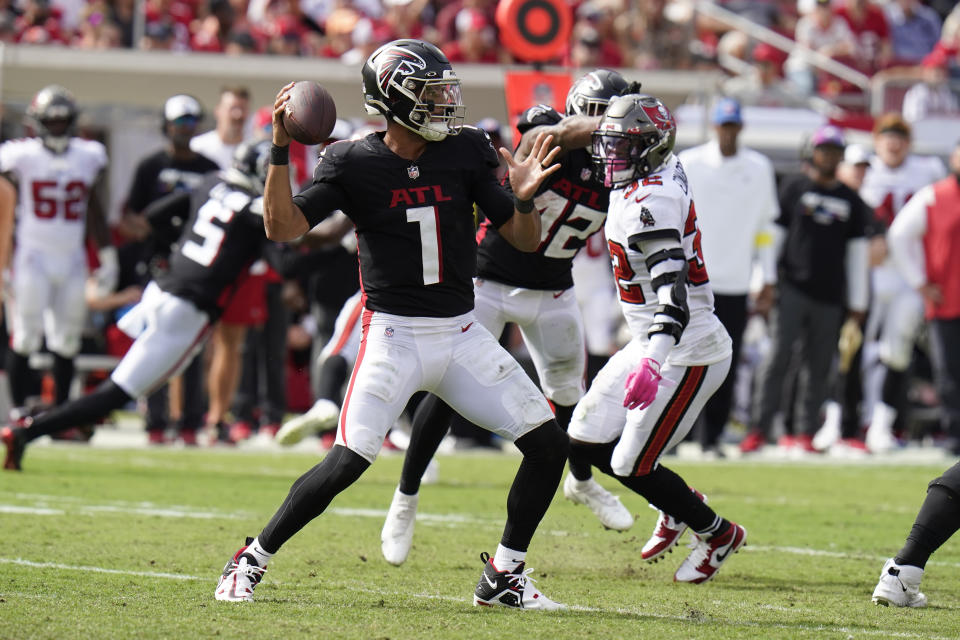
635,138
412,83
590,94
249,169
52,115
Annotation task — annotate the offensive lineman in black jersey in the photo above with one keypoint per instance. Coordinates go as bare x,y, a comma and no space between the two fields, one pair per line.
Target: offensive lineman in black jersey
410,192
535,291
223,236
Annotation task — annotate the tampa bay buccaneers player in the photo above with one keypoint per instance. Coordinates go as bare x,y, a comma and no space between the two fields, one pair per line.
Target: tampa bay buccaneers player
59,180
223,236
535,291
410,192
649,394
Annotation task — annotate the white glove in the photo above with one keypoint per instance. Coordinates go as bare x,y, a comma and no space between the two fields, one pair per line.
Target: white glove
108,273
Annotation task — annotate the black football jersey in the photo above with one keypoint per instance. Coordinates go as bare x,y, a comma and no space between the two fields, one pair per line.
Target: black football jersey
415,222
572,206
223,236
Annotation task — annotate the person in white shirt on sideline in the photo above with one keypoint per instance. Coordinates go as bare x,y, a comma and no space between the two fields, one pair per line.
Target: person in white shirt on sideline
736,194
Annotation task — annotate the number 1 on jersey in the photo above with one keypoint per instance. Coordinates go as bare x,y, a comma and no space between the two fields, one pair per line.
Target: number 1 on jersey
430,251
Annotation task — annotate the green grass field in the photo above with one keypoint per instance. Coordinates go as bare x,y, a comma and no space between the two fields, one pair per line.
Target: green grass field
101,543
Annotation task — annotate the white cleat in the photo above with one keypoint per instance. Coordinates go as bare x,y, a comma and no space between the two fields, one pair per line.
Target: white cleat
709,554
512,589
321,416
396,538
240,577
666,534
829,433
899,586
606,506
880,440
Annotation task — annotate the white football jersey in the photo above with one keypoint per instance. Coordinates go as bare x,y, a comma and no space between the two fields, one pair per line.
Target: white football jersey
54,190
887,189
662,202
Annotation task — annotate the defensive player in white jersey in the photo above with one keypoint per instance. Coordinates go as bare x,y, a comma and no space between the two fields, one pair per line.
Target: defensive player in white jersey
58,177
646,398
896,313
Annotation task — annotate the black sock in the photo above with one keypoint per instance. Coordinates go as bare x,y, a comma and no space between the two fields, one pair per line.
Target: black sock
893,385
333,373
544,453
938,519
430,422
63,370
80,412
18,375
668,492
310,495
579,467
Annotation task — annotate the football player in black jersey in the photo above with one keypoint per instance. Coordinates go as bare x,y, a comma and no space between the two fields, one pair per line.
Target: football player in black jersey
534,290
410,192
223,236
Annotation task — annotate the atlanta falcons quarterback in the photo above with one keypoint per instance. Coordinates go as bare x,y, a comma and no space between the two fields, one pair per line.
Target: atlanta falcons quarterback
646,398
410,191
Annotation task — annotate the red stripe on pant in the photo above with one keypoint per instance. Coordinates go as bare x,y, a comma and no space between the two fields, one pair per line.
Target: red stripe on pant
348,328
367,316
670,419
179,363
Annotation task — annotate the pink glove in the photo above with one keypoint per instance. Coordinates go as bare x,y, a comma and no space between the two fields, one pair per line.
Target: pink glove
642,385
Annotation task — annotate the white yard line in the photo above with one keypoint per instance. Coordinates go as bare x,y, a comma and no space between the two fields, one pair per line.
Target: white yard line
69,567
46,505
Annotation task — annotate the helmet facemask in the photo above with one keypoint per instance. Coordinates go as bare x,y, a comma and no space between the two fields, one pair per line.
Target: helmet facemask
52,115
625,157
438,109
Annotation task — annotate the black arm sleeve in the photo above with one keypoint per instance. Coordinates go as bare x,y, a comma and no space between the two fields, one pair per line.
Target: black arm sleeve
319,200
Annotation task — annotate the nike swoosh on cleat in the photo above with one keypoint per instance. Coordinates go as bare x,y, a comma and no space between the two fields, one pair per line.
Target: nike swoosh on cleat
722,556
464,329
493,584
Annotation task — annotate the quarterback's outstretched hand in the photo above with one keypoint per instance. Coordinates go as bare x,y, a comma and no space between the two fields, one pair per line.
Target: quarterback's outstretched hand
642,384
527,176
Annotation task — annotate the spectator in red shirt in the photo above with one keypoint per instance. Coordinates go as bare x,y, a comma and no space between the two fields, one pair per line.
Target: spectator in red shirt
869,25
476,40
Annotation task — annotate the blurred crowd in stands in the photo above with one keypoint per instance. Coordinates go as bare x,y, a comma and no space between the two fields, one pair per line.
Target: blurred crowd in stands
908,38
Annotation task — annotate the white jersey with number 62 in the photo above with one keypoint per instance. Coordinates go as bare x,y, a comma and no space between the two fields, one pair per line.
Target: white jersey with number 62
53,190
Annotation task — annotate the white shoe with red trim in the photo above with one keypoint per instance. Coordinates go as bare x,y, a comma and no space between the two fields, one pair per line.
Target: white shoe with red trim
666,534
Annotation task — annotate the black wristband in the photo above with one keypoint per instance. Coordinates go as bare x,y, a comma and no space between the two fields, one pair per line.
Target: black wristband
523,206
279,155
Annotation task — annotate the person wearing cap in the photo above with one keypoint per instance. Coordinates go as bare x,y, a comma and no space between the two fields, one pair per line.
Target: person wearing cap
896,315
840,433
822,275
856,160
736,194
174,168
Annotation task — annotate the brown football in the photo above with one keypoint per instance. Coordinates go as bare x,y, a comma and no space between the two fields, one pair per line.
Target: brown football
310,114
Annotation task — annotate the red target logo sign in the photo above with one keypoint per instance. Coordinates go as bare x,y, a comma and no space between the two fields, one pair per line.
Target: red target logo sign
535,30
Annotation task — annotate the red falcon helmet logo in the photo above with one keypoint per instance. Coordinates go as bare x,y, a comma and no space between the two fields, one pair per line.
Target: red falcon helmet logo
395,63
